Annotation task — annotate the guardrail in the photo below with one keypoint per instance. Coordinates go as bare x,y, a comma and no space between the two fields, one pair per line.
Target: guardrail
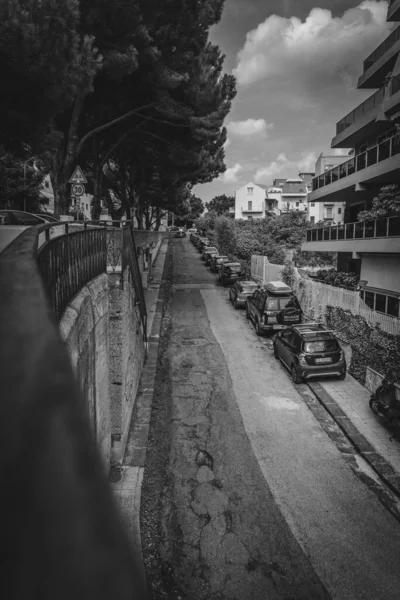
60,524
378,228
372,156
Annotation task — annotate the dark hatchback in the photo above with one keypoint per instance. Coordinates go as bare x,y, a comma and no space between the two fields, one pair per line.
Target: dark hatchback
240,291
230,272
217,261
308,351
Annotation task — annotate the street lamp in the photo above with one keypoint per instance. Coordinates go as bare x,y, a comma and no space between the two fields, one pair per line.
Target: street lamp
25,163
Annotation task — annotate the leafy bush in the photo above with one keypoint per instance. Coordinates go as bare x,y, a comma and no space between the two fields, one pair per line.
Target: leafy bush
225,235
371,347
337,278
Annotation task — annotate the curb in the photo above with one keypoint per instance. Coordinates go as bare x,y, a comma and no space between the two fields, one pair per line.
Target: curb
382,468
135,453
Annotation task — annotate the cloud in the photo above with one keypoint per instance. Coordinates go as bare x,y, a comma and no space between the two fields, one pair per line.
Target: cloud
249,127
288,168
323,51
231,174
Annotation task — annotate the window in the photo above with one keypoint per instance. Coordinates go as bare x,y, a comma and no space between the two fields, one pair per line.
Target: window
312,203
25,219
250,190
393,306
369,298
339,211
297,203
312,219
380,303
47,184
321,346
250,218
250,205
329,212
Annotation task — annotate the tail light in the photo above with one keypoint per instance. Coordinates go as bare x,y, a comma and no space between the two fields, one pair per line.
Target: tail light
341,355
302,359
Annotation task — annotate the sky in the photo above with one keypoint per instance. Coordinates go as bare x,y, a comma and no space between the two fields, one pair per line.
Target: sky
296,64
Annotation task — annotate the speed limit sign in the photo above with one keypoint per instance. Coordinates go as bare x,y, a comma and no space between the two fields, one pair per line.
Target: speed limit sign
77,189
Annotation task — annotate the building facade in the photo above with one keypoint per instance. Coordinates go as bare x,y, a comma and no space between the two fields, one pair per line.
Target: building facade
252,202
371,249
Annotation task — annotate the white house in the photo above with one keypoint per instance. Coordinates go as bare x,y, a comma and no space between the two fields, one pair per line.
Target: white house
250,201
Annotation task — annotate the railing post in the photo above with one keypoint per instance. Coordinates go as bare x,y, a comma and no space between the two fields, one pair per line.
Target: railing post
387,226
391,146
374,228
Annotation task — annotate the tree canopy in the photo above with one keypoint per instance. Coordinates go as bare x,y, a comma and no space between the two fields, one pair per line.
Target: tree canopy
133,91
386,204
221,204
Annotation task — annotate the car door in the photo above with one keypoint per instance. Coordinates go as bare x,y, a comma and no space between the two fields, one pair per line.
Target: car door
260,306
252,303
286,346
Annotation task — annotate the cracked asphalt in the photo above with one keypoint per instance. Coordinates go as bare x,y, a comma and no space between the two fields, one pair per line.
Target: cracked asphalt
231,509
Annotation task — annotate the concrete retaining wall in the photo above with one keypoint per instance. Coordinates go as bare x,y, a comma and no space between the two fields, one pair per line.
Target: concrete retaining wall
127,354
84,328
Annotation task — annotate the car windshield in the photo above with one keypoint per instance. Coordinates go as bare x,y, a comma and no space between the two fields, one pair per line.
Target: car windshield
235,268
249,288
281,303
321,346
222,258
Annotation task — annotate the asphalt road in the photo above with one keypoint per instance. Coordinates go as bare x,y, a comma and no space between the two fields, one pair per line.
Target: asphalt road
258,502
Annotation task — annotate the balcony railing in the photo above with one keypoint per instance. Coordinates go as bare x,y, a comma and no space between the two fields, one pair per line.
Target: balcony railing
360,230
372,156
363,109
395,85
252,210
382,49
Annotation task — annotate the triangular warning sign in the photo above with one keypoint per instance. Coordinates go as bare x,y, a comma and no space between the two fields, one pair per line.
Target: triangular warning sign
77,176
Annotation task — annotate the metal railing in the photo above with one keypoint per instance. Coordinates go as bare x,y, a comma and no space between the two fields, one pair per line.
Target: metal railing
382,49
378,228
395,85
363,109
130,258
372,156
49,457
67,262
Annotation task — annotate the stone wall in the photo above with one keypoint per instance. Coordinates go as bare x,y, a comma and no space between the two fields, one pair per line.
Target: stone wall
84,328
127,354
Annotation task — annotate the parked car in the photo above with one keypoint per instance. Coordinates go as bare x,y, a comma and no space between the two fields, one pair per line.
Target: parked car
217,261
208,252
46,217
309,350
181,233
192,230
240,291
14,222
273,307
173,228
193,237
230,272
202,243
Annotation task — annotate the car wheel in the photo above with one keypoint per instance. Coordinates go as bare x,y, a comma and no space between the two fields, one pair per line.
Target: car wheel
295,376
235,304
257,328
276,355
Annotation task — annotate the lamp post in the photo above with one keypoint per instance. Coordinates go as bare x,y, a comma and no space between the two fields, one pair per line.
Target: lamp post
25,163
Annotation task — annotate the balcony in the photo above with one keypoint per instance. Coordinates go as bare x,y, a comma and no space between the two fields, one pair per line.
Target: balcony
361,123
379,164
380,62
377,236
393,13
252,210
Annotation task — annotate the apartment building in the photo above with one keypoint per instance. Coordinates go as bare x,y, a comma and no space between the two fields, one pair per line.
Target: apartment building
327,211
371,249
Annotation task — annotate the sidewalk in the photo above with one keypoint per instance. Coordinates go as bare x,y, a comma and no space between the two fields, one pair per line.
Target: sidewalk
347,402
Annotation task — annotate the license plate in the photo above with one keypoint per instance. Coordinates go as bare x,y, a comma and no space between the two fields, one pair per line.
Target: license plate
323,360
290,319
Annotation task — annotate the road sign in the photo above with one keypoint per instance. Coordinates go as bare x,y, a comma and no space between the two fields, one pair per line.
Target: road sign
77,176
77,189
